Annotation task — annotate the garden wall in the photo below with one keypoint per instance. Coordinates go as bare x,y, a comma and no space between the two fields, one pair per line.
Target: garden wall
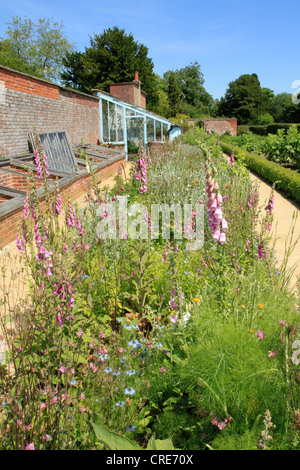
73,187
27,101
220,126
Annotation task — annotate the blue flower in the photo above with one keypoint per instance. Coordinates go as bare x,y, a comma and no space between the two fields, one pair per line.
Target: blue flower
135,344
129,391
120,403
84,276
108,370
130,372
131,428
73,382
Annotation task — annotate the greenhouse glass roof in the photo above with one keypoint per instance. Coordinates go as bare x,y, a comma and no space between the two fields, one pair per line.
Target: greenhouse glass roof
122,123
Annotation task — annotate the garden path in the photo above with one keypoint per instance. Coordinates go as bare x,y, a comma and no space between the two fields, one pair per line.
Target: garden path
285,213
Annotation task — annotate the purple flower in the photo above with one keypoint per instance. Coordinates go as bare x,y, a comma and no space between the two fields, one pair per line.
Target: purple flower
19,244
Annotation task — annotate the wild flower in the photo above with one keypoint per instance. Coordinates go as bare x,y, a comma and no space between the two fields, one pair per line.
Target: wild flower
120,403
19,244
232,159
260,334
129,391
131,428
30,446
217,224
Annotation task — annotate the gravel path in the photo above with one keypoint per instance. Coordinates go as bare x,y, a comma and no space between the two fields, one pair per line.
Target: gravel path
286,214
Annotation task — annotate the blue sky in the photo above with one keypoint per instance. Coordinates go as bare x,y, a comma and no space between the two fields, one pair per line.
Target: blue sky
228,38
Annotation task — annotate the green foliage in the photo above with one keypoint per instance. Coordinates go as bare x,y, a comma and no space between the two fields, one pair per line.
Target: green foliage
35,48
116,442
284,110
130,343
113,57
286,180
265,119
284,147
186,92
244,99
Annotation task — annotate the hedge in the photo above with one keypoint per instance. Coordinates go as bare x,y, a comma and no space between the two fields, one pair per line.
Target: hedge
266,129
286,180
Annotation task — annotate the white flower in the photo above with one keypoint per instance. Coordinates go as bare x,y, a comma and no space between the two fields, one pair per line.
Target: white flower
186,317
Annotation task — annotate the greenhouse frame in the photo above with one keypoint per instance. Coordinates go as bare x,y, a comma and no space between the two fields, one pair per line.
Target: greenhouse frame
122,123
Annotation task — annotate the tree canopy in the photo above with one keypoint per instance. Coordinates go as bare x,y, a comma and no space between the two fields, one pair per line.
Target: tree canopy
36,48
244,99
187,85
112,57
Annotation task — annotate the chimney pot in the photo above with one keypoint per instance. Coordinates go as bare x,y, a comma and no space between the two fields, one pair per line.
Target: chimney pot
136,75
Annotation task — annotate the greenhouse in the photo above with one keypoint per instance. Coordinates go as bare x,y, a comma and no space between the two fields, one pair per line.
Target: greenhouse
122,123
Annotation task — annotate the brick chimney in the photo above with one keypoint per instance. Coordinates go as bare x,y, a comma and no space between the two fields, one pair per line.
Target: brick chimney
130,91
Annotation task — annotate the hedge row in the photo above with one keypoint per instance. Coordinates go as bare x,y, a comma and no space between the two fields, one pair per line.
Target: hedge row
286,180
266,129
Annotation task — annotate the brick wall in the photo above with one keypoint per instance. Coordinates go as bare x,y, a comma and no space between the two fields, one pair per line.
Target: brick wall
221,125
26,101
74,190
129,91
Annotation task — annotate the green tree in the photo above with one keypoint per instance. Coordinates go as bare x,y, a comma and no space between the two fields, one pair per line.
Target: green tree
244,99
284,110
174,94
195,100
112,57
35,48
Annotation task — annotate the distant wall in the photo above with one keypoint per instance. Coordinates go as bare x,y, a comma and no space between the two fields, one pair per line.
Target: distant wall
220,126
26,101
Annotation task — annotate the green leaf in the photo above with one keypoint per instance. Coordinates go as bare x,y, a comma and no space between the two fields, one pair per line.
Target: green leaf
144,422
158,444
113,440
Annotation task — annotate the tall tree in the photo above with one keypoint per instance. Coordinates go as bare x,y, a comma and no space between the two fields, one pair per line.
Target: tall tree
284,110
112,57
195,100
174,94
244,99
38,48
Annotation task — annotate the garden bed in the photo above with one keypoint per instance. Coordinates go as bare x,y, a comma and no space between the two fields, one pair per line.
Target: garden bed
134,336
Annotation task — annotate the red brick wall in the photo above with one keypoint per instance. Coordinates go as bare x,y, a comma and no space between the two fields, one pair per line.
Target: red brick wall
124,91
26,101
221,125
9,224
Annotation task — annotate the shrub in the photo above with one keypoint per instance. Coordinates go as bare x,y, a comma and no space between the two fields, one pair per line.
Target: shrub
265,119
286,180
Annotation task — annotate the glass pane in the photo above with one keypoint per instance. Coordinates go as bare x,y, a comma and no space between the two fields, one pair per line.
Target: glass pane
120,124
150,130
105,136
165,132
134,127
112,122
158,131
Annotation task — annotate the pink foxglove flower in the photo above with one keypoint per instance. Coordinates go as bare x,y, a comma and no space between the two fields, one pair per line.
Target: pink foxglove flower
30,446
